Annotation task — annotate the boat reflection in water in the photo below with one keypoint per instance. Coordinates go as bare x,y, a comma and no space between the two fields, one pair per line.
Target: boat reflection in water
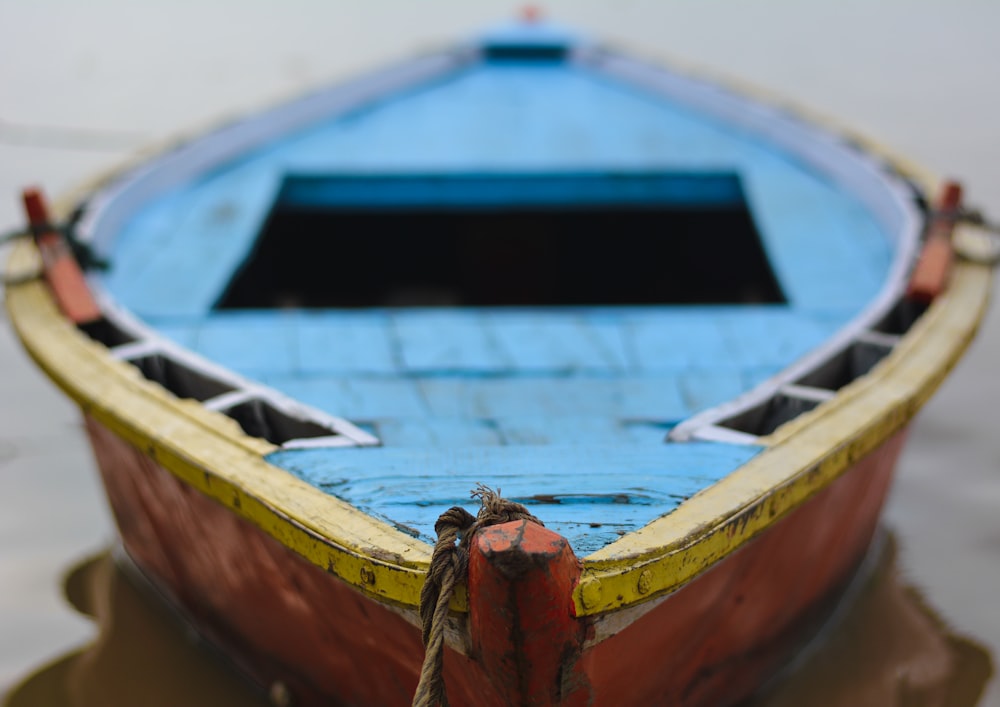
887,648
142,654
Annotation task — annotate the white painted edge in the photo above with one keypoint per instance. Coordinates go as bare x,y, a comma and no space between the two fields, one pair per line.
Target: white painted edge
879,338
135,349
243,388
888,197
807,392
319,443
109,208
228,400
725,435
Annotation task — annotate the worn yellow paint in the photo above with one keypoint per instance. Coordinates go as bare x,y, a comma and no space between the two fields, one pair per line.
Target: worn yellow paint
208,450
803,457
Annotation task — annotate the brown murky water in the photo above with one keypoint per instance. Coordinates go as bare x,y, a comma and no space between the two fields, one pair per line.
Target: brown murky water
886,647
82,85
142,655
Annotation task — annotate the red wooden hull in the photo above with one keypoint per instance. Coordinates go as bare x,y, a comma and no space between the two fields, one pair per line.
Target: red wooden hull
283,619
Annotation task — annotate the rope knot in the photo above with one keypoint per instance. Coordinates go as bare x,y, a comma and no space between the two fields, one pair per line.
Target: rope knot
495,510
455,529
456,519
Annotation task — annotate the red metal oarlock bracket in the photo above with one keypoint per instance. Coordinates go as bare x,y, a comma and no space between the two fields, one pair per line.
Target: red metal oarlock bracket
62,272
930,275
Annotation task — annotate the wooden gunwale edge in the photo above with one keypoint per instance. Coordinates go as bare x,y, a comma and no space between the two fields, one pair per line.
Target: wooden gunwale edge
802,458
227,465
770,98
208,451
807,454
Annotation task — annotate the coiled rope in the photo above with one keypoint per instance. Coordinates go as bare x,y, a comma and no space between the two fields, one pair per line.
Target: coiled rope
449,564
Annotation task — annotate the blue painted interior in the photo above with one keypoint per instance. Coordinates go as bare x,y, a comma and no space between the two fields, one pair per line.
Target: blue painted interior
591,494
482,190
826,249
572,403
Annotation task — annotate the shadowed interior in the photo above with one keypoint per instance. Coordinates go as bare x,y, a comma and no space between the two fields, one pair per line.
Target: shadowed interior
565,255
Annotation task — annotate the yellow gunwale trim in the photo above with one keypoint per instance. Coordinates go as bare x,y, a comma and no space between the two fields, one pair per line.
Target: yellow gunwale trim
802,458
807,454
209,452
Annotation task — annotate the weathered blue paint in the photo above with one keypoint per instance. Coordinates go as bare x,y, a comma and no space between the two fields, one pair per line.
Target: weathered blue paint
562,403
479,190
521,380
501,119
618,488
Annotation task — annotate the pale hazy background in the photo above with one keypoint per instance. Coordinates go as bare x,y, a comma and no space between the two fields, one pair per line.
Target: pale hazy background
83,85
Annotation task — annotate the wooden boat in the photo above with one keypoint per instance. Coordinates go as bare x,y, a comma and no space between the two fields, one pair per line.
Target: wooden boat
889,630
684,328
